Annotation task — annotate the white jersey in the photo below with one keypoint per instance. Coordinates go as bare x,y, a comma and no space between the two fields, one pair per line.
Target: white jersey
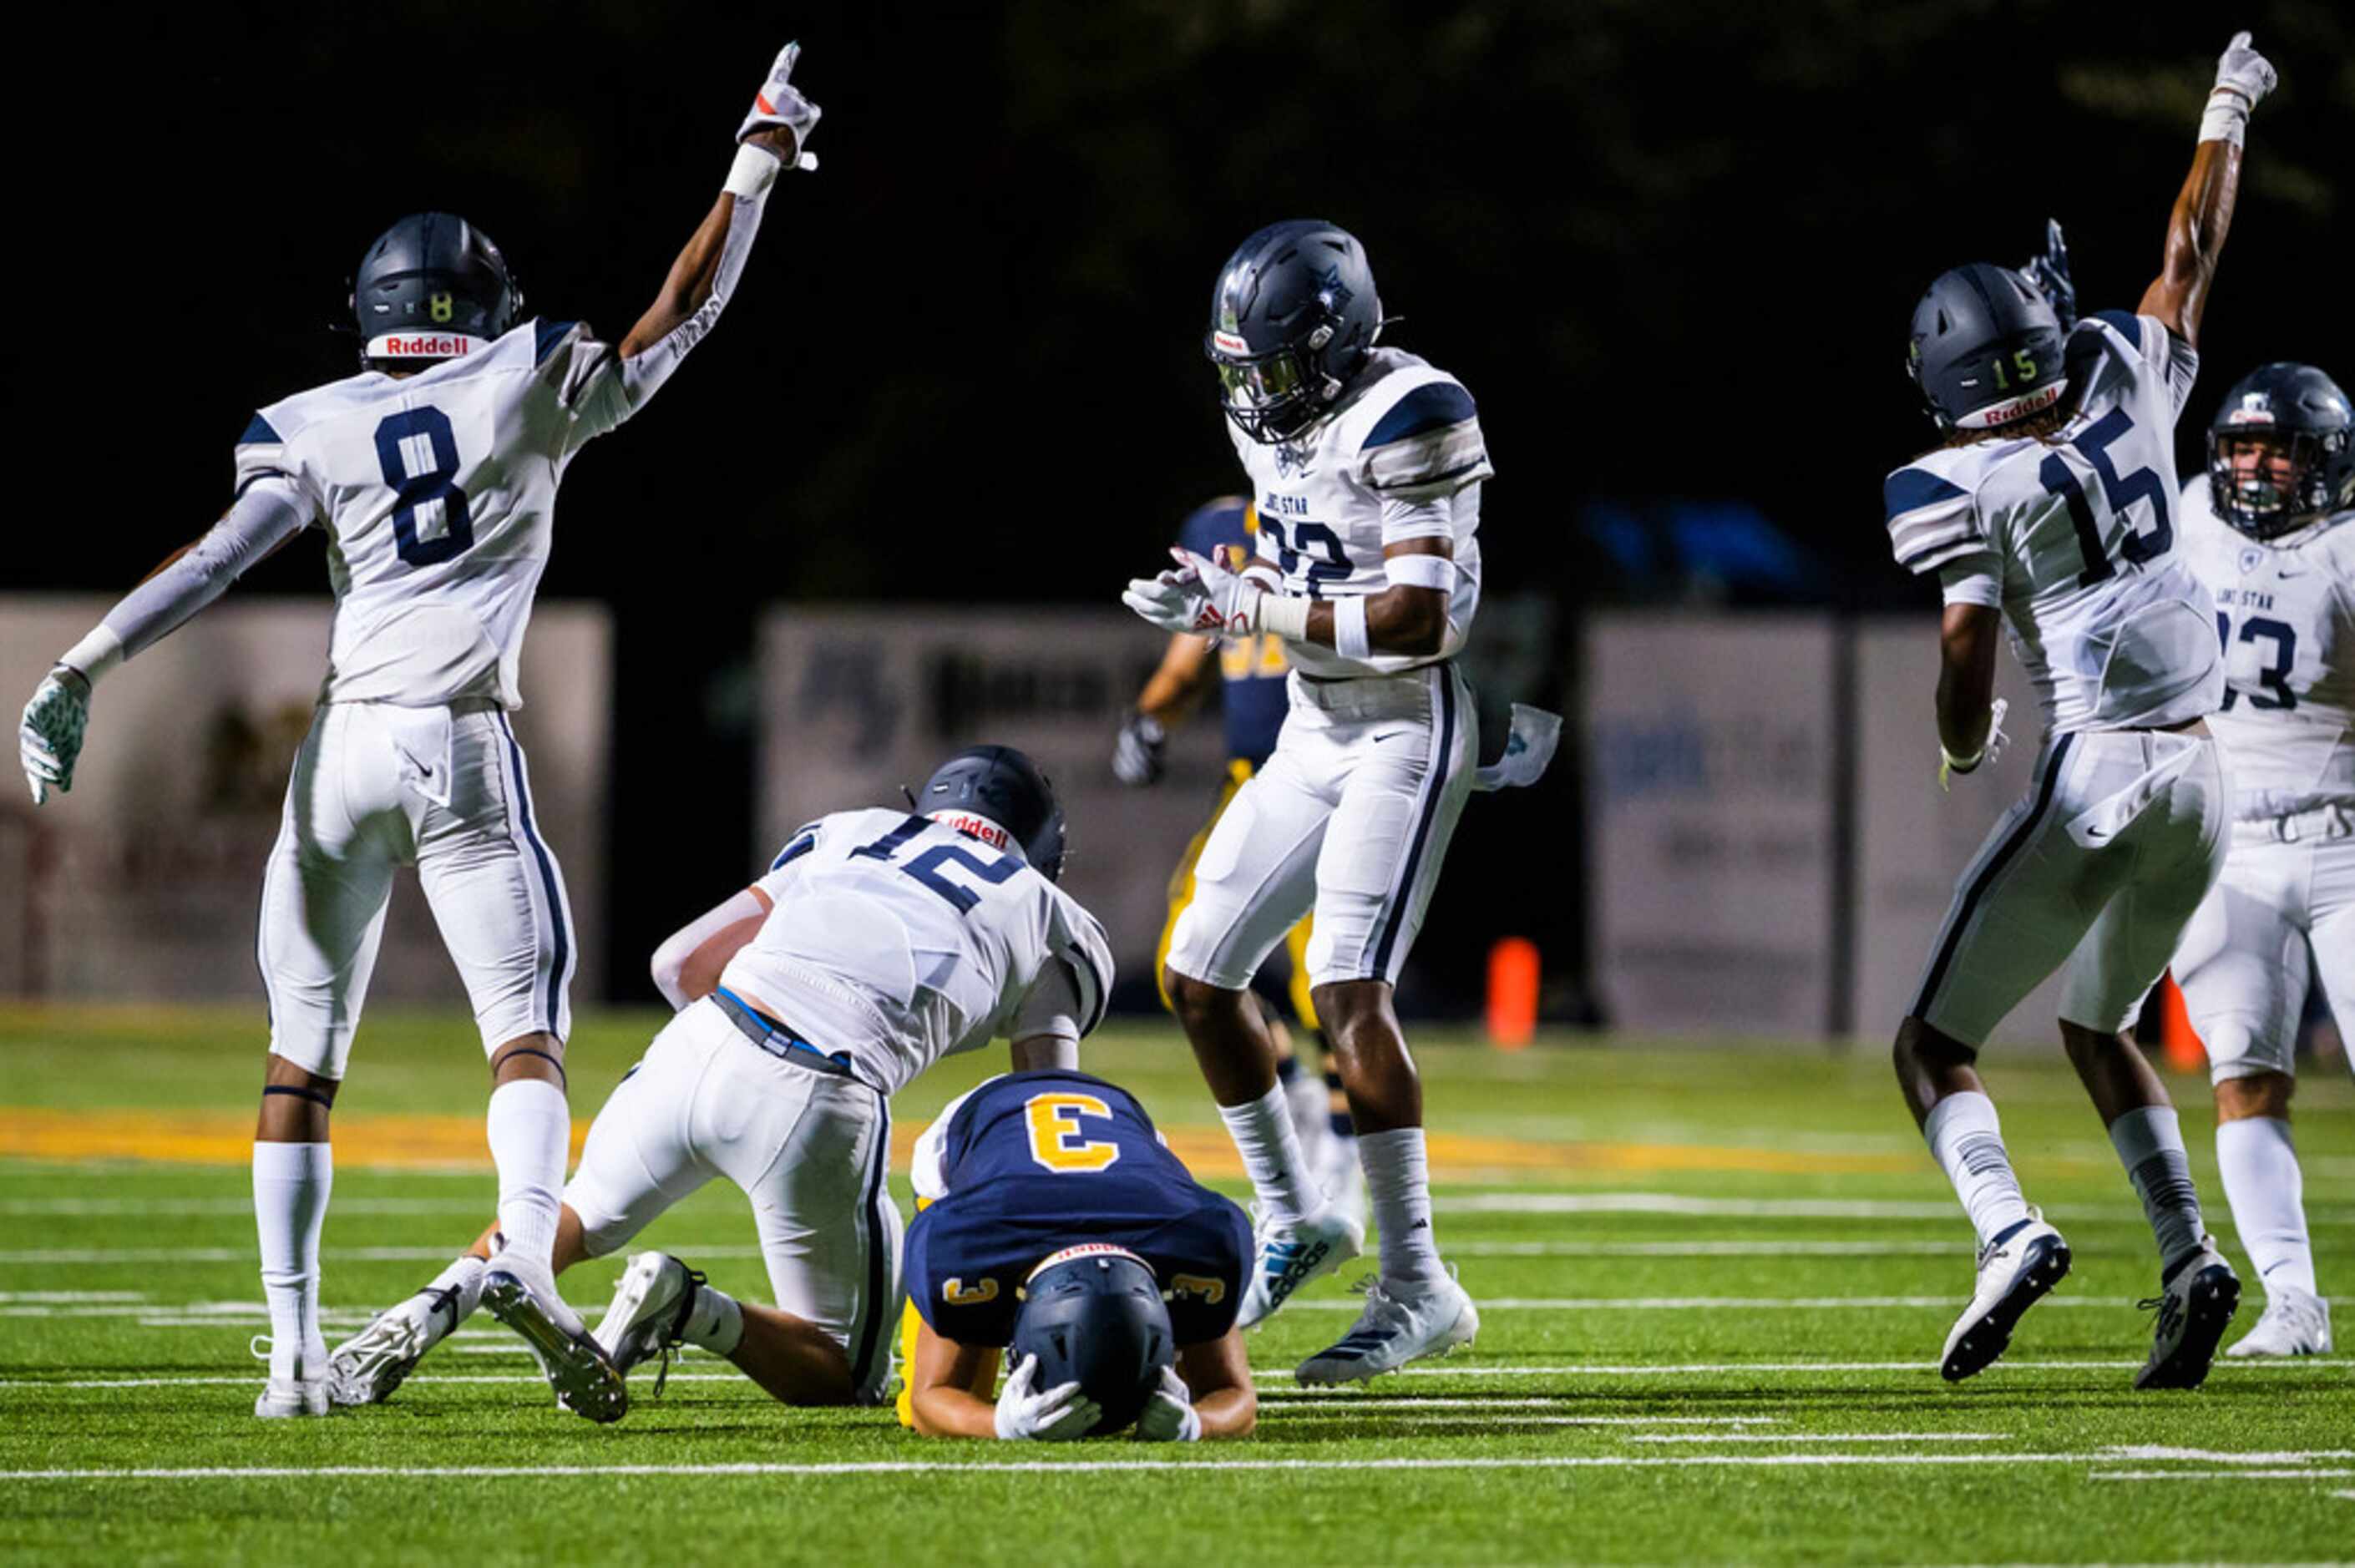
1398,457
2286,611
438,494
902,940
2074,537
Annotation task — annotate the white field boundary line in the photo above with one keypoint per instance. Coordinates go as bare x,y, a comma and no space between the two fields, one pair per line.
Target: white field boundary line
1817,1437
1561,1203
1282,1375
2253,1475
1049,1467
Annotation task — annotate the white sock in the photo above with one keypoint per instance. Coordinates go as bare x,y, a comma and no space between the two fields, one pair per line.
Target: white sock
530,1130
2263,1184
2149,1142
715,1322
291,1184
1398,1191
464,1275
1263,1134
1967,1140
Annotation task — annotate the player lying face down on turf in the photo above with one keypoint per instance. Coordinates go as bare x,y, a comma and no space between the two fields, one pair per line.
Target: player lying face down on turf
2050,507
434,474
1054,1225
1366,465
879,942
2270,527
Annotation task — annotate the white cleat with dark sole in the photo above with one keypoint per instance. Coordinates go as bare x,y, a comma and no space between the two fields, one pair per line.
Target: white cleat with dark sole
285,1398
584,1378
1434,1318
649,1312
2294,1324
367,1367
2196,1301
2016,1270
1287,1255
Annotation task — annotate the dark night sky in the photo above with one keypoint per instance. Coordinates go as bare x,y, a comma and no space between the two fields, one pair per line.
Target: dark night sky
1671,247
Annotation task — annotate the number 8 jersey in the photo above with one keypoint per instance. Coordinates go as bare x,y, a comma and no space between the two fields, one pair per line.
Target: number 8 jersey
438,492
2073,536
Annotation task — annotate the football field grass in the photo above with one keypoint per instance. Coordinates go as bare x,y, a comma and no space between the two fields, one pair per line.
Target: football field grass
1714,1286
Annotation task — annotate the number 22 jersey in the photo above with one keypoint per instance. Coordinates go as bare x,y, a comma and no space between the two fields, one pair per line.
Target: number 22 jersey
2073,536
438,494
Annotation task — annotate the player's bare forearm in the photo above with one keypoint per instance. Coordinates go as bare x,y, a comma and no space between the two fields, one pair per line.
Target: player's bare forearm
1178,682
1402,619
1218,1376
2195,235
949,1386
688,286
1966,655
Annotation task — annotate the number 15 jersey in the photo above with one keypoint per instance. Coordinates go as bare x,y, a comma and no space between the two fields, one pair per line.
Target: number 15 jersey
2074,535
438,494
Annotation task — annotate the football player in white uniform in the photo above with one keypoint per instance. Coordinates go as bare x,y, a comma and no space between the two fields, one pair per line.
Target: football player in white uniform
2049,510
879,942
2270,527
1366,465
434,474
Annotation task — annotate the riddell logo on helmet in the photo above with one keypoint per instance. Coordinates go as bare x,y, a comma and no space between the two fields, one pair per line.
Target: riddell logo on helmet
2017,408
1228,343
425,345
981,827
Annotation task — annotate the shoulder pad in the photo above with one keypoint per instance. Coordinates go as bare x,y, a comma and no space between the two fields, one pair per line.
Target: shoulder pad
548,336
1419,442
1931,520
1432,406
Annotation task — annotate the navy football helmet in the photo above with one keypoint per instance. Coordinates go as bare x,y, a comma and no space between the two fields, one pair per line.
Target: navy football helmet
1291,320
2302,411
431,287
1001,784
1093,1315
1987,349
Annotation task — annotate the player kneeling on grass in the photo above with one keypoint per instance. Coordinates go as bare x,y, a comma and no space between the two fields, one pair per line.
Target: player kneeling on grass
889,940
1055,1225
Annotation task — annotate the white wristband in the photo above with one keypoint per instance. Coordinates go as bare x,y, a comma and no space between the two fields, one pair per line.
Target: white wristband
1351,638
95,654
2227,116
1280,615
751,174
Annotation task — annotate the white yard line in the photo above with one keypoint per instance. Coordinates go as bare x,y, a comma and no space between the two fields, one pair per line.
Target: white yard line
1818,1437
69,1298
2286,1475
1708,1249
1047,1466
1543,1201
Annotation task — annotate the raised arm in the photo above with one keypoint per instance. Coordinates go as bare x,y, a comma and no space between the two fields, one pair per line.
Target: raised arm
2204,209
266,515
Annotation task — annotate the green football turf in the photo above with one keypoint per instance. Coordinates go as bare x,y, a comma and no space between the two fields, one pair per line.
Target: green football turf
1709,1334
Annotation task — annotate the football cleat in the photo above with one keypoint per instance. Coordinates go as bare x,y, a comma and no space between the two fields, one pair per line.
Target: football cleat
2294,1324
649,1312
284,1397
2197,1298
1288,1253
2016,1270
577,1368
366,1368
1397,1326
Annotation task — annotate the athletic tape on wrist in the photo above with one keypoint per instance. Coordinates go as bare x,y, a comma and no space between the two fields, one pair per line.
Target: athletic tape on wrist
1421,571
2227,116
1351,638
751,174
1279,615
95,654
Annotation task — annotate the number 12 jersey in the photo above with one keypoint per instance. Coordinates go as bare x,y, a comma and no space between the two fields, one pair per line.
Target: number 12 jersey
2073,536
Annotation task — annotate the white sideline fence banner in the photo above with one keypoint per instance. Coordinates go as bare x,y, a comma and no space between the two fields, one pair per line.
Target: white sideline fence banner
1912,840
144,882
1711,816
856,702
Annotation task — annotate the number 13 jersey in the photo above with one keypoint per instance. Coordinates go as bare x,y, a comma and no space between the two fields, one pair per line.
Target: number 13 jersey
2074,535
438,494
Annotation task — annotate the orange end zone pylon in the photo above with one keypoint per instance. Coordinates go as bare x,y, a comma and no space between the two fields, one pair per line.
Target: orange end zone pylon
1513,973
2176,1036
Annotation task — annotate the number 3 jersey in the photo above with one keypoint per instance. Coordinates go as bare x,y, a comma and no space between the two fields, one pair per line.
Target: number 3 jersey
2073,536
2285,614
902,940
1398,457
1031,1163
438,494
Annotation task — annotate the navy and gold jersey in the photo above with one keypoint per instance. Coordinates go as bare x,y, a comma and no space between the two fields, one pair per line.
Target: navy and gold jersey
1031,1163
1254,698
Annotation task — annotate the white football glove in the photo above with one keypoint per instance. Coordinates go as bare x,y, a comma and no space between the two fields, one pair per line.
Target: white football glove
2244,70
1058,1415
48,738
780,102
1990,750
1199,594
1169,1415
